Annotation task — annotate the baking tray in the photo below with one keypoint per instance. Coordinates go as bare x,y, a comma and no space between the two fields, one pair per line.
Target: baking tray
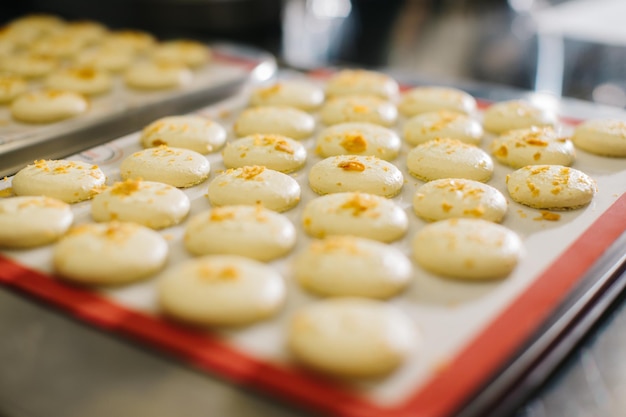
124,110
478,339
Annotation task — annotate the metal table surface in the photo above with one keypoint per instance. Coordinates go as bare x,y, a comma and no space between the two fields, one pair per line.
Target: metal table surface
53,365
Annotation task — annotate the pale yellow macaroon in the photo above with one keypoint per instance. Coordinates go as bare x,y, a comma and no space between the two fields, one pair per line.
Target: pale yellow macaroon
174,166
29,28
82,80
31,221
190,132
299,94
111,253
449,158
533,146
366,174
152,204
130,40
551,187
433,98
516,114
286,121
29,65
68,181
251,231
467,249
357,81
448,198
442,124
351,337
344,266
11,86
360,108
606,137
358,138
90,32
61,45
221,290
47,106
187,52
251,185
275,152
157,76
105,58
357,214
8,44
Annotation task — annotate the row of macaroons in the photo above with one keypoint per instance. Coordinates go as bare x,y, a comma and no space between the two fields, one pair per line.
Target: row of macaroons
67,89
54,40
434,112
346,210
89,80
78,59
227,288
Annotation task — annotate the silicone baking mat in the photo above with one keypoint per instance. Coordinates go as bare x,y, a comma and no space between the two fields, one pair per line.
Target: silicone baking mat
469,331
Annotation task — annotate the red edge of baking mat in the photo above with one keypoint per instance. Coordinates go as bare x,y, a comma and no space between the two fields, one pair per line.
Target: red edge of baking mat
225,57
444,393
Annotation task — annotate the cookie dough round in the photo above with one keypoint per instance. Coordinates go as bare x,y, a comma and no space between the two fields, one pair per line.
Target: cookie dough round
344,266
88,31
351,337
251,231
449,158
442,124
275,152
82,80
157,76
48,106
358,139
467,249
432,99
533,146
26,222
369,109
130,40
29,65
299,94
8,45
221,290
356,214
350,82
606,137
251,185
109,253
190,132
61,45
449,198
285,121
182,51
366,174
11,86
68,181
152,204
551,187
181,168
515,114
105,59
29,28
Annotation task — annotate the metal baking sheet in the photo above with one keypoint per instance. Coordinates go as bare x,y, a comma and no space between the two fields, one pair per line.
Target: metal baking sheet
471,332
124,110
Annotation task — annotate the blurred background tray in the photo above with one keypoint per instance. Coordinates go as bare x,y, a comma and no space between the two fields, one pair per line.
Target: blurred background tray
123,110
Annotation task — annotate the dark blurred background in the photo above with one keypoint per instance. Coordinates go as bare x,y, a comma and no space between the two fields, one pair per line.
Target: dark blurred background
494,41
